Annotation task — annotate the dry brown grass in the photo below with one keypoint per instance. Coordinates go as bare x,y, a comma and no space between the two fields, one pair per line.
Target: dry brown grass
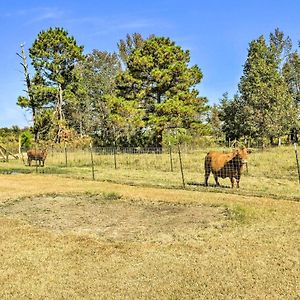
73,239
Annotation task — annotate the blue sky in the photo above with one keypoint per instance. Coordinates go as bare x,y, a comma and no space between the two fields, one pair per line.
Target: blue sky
216,32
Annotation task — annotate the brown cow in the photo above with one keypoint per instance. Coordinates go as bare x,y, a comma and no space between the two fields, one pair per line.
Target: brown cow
37,155
225,165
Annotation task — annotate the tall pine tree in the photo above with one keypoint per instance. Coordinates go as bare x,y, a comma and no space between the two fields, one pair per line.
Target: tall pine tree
54,55
264,93
159,78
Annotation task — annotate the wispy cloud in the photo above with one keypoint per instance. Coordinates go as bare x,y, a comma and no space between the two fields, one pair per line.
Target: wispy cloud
45,13
104,26
36,14
99,25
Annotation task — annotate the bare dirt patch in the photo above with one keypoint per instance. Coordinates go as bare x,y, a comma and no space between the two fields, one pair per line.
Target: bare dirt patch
117,219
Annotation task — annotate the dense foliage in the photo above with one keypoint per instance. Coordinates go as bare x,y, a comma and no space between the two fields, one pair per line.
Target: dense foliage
266,106
160,81
147,92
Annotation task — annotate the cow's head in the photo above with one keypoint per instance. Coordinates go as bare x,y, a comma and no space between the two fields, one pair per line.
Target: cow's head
242,153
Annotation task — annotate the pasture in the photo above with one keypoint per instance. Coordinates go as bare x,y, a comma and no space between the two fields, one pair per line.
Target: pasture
270,173
134,233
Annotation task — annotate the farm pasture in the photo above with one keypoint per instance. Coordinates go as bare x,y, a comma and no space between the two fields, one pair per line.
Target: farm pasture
270,173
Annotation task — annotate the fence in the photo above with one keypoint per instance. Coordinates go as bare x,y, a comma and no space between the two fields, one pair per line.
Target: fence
270,172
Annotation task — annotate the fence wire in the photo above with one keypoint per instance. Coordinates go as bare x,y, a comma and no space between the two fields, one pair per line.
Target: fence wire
271,171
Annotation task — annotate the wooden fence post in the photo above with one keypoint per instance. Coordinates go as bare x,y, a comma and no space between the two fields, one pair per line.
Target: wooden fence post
36,161
171,159
92,160
115,156
297,160
66,155
181,167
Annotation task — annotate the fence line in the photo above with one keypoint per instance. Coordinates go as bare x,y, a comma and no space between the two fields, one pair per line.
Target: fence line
169,167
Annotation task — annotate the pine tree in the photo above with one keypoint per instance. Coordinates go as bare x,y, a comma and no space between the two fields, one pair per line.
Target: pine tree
264,93
54,55
159,78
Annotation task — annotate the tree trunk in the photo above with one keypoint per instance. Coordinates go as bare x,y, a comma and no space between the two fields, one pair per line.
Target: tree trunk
59,113
28,86
158,98
158,139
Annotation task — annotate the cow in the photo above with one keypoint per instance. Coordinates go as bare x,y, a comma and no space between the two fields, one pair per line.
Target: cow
225,165
37,155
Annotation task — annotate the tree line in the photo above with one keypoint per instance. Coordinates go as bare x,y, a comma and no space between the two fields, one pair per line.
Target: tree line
146,93
266,106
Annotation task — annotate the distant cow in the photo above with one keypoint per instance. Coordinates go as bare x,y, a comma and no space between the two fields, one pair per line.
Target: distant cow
37,155
225,165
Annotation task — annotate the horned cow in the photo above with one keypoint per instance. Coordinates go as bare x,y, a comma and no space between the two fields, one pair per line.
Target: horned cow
38,155
225,165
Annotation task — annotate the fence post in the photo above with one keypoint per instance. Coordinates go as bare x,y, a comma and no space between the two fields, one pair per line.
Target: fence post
171,159
92,160
181,167
297,160
36,161
66,154
115,156
22,156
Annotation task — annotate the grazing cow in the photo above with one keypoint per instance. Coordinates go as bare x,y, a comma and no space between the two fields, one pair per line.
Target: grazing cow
37,155
225,165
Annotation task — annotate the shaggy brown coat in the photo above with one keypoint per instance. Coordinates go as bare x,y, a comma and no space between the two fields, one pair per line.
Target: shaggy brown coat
37,155
225,165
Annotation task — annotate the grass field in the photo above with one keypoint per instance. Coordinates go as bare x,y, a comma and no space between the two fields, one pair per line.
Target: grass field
271,173
69,238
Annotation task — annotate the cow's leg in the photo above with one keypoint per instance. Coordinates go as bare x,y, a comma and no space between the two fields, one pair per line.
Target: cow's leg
232,182
207,169
238,180
216,180
207,172
29,162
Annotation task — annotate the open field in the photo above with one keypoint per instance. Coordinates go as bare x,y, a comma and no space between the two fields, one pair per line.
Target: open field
270,173
65,238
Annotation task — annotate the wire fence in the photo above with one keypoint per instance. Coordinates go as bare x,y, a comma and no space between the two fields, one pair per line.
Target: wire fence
273,171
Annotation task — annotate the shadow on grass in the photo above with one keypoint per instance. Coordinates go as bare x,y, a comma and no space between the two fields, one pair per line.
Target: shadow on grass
16,171
209,185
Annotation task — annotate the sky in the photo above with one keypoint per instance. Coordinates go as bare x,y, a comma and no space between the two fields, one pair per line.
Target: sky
216,32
